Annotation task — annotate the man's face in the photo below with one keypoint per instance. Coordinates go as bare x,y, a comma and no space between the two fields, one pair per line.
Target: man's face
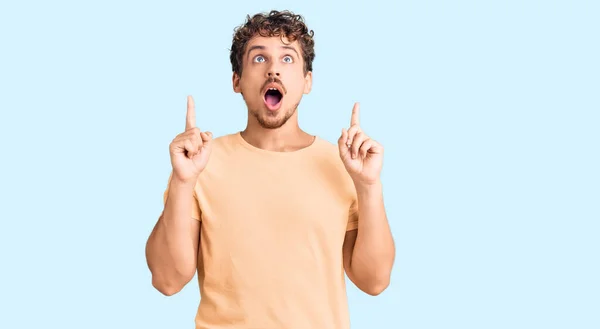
273,80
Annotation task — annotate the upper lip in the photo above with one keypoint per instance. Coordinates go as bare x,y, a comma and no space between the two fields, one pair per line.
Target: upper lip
273,85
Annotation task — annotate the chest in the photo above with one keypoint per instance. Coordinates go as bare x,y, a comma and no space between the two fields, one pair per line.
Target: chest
269,204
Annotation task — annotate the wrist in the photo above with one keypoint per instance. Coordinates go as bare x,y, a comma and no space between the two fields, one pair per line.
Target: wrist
368,188
179,184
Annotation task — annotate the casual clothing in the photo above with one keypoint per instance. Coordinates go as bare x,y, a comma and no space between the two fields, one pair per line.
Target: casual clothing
272,229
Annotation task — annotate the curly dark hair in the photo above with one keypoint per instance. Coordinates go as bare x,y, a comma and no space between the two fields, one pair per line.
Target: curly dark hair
275,23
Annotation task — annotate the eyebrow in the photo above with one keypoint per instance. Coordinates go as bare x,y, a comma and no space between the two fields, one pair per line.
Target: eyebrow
263,48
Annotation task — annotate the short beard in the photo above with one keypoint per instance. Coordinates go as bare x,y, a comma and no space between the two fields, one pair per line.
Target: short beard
274,125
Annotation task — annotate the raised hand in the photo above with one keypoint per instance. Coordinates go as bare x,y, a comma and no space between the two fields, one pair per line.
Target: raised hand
190,150
361,155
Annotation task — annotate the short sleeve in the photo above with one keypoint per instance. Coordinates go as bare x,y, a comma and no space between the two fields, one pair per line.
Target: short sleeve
195,211
353,217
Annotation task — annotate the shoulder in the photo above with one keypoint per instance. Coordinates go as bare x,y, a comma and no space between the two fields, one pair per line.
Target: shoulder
222,141
224,145
328,151
223,148
329,156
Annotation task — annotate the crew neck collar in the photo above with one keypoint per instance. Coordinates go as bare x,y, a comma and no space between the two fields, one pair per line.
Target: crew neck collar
245,144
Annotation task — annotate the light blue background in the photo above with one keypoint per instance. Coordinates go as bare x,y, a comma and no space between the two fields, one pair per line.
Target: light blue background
488,111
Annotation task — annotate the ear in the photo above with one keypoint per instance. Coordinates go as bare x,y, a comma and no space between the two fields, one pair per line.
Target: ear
308,82
235,79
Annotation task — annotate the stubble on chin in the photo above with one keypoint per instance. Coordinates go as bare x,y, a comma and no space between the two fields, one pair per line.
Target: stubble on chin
265,122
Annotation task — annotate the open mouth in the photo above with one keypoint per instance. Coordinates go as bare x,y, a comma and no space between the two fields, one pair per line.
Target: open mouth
273,98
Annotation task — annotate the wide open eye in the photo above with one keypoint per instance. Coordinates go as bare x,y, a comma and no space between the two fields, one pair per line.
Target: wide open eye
288,59
259,59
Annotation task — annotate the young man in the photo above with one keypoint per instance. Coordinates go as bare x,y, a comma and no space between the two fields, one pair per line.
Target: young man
272,217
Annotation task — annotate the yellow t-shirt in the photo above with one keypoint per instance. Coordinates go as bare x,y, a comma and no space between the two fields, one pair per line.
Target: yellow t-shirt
273,226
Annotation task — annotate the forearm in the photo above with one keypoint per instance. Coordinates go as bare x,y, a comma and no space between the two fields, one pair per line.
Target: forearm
170,250
374,252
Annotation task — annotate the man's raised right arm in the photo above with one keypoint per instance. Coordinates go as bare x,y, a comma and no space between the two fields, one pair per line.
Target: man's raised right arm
172,248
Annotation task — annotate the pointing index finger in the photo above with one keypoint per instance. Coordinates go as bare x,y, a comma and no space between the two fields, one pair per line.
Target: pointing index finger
190,119
355,110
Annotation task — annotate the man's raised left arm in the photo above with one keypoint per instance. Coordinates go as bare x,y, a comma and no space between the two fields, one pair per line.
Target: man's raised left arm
368,251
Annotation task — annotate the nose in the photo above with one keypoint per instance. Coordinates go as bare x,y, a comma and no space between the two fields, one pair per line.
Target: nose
273,72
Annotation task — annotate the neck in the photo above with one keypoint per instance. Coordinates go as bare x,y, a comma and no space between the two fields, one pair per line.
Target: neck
286,138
